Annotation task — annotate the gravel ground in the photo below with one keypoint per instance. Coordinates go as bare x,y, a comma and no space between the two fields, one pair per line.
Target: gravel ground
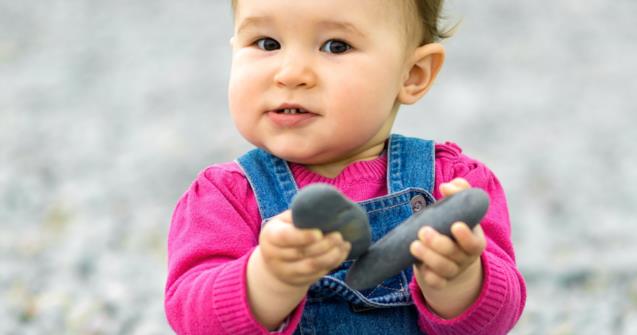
108,109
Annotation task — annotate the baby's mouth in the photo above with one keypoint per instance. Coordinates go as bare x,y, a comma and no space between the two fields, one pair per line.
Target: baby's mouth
291,111
291,116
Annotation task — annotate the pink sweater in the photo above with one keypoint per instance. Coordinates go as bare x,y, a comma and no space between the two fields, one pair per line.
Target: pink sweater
216,224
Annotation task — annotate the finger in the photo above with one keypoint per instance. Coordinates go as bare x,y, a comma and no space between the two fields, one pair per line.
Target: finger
330,241
417,249
443,245
461,183
284,254
285,235
291,254
440,243
285,216
434,261
325,244
471,242
323,263
433,280
448,189
454,186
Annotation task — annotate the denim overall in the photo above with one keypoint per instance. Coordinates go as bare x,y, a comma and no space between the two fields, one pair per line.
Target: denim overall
332,307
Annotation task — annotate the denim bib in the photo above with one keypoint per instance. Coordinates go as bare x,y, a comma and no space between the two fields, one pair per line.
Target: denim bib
332,307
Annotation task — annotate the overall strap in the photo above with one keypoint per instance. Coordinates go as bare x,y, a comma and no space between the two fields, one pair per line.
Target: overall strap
411,163
271,180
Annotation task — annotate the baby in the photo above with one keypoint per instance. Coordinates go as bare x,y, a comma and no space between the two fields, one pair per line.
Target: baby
316,86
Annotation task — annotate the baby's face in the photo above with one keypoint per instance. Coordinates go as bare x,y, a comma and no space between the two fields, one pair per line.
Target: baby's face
315,82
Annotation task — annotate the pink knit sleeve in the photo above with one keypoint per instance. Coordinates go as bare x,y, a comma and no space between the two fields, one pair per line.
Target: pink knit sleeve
213,232
503,294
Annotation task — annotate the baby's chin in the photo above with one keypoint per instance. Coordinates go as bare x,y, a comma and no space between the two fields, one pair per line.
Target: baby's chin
300,157
303,156
304,152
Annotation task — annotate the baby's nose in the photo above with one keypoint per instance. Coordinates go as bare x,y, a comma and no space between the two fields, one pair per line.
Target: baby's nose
296,72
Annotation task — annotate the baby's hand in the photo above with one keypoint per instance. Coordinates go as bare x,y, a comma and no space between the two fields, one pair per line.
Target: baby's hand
443,261
299,257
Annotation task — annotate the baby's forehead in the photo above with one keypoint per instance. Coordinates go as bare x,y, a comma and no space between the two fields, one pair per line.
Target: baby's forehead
405,8
402,14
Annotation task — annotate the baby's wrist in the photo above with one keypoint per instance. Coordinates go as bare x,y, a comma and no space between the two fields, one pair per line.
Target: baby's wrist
263,288
271,280
472,273
458,295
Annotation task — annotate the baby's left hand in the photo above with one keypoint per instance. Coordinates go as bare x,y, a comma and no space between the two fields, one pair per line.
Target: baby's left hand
443,261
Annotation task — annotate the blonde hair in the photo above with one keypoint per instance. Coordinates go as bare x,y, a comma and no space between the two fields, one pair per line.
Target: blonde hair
429,15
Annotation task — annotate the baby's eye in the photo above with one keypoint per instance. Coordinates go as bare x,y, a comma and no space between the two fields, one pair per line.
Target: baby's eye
268,44
335,47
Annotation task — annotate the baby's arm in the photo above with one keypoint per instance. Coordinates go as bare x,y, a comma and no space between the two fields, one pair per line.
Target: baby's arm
286,262
215,232
502,293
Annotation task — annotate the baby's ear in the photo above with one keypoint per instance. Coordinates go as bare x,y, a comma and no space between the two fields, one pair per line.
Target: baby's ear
424,65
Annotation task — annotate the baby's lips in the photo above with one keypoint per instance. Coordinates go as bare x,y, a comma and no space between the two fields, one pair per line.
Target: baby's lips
289,105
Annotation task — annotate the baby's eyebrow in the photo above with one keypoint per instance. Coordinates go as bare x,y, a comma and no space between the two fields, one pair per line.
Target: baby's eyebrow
341,25
253,21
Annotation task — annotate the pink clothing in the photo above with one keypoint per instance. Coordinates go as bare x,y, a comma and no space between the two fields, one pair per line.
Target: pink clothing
216,224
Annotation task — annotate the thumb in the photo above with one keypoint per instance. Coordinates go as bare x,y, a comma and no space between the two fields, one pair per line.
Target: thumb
453,187
285,216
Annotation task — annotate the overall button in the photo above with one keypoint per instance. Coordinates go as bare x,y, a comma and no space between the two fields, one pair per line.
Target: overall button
418,203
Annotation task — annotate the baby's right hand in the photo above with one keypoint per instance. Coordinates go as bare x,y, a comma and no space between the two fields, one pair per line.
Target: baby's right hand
299,257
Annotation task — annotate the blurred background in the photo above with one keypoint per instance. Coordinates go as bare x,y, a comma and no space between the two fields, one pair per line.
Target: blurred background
108,109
